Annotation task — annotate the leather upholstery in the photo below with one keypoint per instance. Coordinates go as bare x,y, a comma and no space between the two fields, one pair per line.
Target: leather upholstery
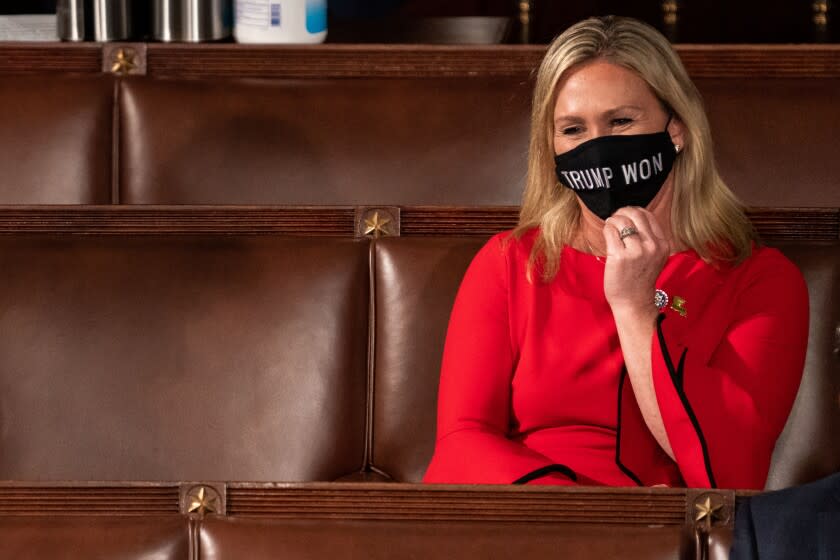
809,448
245,358
94,538
227,538
456,141
720,542
441,141
779,121
182,358
416,282
385,141
56,139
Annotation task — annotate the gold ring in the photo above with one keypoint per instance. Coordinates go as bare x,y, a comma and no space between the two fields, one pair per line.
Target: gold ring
627,232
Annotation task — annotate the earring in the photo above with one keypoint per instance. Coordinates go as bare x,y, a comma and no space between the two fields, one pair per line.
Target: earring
677,147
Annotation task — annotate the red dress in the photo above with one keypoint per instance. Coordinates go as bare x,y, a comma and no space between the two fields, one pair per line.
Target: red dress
533,387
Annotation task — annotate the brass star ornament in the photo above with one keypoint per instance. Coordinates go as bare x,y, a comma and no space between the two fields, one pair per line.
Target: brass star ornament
202,502
124,62
707,512
376,225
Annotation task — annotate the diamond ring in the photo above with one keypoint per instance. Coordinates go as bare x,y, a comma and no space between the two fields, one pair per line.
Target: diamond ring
627,232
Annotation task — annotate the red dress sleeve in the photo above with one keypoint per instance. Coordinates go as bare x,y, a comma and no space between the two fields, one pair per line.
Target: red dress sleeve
475,383
724,408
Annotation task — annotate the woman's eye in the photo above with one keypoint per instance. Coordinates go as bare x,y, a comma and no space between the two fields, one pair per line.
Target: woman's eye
569,130
621,122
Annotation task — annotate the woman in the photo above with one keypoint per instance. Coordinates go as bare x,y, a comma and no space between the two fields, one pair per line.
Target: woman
630,331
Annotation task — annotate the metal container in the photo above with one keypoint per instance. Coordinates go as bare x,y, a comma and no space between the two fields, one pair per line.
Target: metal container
112,20
97,20
71,20
192,20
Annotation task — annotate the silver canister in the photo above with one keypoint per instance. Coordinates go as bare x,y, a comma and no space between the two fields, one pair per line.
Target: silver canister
192,20
70,16
112,20
95,20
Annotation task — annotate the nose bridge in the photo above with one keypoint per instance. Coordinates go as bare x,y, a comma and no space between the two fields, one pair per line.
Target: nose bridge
596,128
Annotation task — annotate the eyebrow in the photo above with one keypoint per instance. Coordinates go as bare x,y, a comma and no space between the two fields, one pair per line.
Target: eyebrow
623,108
610,112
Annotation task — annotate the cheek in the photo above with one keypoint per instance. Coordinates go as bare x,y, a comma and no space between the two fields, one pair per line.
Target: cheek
562,144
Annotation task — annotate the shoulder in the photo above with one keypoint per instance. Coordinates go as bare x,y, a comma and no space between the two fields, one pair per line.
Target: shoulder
767,281
508,247
769,266
500,260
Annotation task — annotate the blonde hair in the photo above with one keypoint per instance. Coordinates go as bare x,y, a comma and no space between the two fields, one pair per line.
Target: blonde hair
705,216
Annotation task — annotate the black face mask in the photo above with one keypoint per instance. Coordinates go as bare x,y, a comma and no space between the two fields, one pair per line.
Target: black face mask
611,172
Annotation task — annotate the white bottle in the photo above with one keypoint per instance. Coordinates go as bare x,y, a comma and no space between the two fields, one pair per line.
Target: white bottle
280,21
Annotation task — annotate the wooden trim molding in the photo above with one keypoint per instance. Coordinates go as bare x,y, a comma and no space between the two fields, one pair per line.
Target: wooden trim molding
359,500
88,498
229,60
394,502
127,219
398,501
773,224
369,501
50,58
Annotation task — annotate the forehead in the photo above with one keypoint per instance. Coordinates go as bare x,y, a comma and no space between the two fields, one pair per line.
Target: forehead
600,86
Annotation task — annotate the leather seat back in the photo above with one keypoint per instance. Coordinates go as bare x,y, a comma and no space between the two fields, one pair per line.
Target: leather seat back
258,539
456,141
86,537
809,447
182,357
56,135
773,143
416,283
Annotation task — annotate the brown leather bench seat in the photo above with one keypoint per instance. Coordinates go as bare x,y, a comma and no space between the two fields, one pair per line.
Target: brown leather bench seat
270,358
182,358
258,539
95,537
230,357
56,140
456,141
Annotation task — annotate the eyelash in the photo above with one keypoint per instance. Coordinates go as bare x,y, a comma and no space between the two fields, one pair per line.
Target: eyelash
571,130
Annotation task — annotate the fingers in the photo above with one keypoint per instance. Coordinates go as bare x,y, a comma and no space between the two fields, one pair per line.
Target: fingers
648,240
612,239
618,222
644,220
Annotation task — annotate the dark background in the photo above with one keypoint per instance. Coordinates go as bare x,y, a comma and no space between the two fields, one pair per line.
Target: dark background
699,21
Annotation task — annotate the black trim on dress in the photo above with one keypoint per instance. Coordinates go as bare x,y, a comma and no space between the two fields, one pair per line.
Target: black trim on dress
678,377
548,469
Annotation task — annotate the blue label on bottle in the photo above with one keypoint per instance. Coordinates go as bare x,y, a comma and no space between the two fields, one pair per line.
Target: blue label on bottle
316,16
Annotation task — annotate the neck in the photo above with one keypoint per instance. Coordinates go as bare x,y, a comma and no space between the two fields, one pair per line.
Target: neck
590,236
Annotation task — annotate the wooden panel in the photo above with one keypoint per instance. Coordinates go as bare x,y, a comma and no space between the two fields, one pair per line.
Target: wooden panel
27,58
773,224
635,506
344,61
706,61
376,501
425,221
340,61
322,221
777,224
761,61
80,498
